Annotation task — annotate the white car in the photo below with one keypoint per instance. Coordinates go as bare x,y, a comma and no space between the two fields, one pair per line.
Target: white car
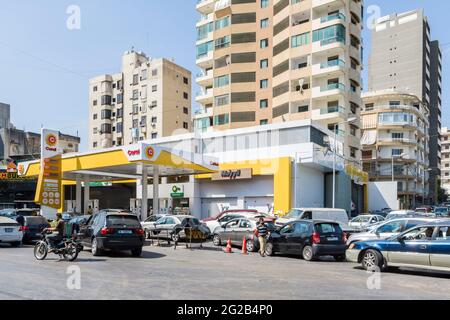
336,215
214,225
401,214
365,221
10,232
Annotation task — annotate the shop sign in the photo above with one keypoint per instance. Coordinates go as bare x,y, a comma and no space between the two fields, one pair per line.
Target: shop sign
239,174
12,176
177,192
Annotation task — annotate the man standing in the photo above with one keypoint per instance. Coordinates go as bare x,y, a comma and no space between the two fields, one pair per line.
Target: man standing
262,232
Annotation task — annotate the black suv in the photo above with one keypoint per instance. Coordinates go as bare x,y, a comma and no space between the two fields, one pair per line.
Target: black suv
309,239
112,230
32,228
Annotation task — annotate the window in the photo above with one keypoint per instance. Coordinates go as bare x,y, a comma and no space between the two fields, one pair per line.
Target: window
185,80
185,110
221,119
106,100
419,233
203,31
222,100
264,23
353,130
397,152
204,48
154,72
154,119
221,81
335,33
95,102
264,63
392,227
95,116
95,130
185,125
302,109
394,103
106,128
119,127
154,88
120,98
135,79
185,95
264,84
397,136
95,89
94,145
135,94
369,106
300,40
222,42
264,43
353,152
144,74
119,113
106,114
264,3
223,22
263,104
263,122
154,135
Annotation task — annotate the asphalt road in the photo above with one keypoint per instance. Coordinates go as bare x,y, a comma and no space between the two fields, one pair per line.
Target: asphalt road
205,274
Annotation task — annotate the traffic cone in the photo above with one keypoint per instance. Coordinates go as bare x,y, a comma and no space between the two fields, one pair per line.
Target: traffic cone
244,246
228,249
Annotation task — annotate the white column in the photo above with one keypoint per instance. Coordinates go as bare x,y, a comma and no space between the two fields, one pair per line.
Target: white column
144,185
78,193
155,190
86,194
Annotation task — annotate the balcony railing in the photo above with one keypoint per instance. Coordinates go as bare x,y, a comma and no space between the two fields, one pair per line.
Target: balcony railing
333,86
332,63
400,140
331,17
335,109
328,41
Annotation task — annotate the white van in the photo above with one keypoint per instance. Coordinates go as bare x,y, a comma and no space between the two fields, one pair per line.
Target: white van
337,215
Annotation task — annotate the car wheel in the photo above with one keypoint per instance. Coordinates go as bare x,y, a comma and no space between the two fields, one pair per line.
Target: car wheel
250,246
96,251
269,250
16,244
307,253
340,258
372,260
136,252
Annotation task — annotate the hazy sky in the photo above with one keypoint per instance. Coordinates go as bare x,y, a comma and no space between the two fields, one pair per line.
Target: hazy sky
45,67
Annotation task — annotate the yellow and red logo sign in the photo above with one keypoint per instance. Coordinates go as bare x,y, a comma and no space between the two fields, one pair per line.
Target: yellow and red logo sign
51,140
149,152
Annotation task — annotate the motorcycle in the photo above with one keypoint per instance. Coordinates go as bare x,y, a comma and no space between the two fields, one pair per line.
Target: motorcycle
68,249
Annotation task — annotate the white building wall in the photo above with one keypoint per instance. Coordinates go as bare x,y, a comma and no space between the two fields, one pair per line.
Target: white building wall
383,195
310,186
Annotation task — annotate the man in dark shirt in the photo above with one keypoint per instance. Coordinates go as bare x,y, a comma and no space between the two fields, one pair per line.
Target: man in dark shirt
56,238
262,232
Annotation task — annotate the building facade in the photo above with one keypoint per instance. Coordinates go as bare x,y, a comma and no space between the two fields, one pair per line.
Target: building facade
445,168
274,61
5,115
404,59
396,143
148,99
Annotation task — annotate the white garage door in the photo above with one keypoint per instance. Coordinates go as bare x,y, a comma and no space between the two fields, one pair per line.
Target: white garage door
262,204
212,207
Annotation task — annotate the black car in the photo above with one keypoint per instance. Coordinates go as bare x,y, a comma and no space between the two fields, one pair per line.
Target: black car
112,230
32,228
309,239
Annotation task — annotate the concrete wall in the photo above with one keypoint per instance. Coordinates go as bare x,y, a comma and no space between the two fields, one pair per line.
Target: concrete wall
343,191
310,187
383,195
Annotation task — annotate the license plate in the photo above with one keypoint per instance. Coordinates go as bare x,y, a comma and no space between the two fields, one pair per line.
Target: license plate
125,232
333,239
9,230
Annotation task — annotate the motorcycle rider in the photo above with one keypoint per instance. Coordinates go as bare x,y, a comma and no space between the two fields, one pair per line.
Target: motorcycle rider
55,239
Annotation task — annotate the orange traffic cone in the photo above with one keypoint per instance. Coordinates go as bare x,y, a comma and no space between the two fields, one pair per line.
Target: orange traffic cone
244,246
228,249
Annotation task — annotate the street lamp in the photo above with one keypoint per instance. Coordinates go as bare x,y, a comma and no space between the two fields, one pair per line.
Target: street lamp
335,128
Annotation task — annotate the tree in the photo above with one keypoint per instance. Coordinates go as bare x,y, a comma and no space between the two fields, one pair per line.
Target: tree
442,195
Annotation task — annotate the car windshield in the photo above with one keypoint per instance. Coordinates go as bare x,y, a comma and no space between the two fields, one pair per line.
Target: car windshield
362,219
441,210
35,221
328,228
294,214
122,220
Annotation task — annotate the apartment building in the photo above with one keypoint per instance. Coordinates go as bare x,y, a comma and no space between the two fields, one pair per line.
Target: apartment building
274,61
445,168
403,58
395,143
5,115
148,99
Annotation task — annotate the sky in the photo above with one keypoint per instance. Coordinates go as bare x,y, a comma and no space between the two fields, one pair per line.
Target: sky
45,66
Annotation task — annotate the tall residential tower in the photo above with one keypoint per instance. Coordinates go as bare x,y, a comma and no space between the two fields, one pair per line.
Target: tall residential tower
272,61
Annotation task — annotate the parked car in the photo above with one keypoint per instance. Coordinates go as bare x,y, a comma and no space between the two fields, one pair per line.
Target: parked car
310,239
387,229
337,215
220,215
237,229
113,230
10,232
425,246
364,221
380,213
173,227
32,228
8,213
213,225
401,214
150,221
442,212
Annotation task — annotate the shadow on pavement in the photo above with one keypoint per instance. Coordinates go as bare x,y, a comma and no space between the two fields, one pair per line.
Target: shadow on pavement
144,255
414,272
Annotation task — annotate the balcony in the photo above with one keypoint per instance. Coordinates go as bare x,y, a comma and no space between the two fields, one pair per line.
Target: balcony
334,44
205,61
397,141
328,20
205,6
328,113
205,79
329,68
328,90
205,97
322,4
204,19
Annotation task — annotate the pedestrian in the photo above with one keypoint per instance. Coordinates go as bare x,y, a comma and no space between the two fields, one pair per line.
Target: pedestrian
262,231
90,211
